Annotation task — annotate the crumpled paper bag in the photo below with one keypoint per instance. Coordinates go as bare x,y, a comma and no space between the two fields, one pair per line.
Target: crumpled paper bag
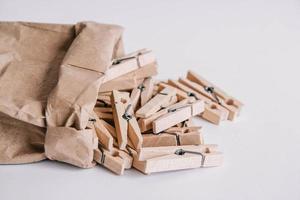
50,75
71,146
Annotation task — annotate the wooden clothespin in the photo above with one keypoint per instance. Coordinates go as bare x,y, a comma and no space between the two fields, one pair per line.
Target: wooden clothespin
162,99
110,128
113,163
125,123
135,96
213,112
140,95
180,94
203,86
104,136
116,160
103,110
147,92
155,88
186,135
105,116
174,137
158,159
177,114
113,133
159,140
147,123
103,99
129,63
188,123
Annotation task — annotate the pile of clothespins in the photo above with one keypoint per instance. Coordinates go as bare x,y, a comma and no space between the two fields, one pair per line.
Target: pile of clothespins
149,127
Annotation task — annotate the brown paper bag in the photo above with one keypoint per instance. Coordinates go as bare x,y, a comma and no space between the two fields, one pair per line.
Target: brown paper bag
50,75
20,142
72,146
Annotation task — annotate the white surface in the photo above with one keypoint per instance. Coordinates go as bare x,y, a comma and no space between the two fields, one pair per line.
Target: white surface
249,48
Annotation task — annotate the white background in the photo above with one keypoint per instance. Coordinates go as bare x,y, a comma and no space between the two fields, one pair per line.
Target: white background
249,48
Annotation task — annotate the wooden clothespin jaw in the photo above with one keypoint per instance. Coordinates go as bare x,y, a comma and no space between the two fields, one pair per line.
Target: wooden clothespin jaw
178,114
147,123
187,138
159,140
104,112
184,129
142,57
103,100
216,94
179,93
162,99
141,94
116,160
135,96
114,164
147,90
104,136
113,133
174,136
158,159
125,123
129,63
213,112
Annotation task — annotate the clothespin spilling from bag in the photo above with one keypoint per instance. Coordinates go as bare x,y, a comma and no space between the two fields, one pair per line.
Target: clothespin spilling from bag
104,136
143,93
179,93
162,99
147,123
174,136
186,135
213,112
129,63
125,123
103,100
215,93
116,161
159,159
162,111
178,114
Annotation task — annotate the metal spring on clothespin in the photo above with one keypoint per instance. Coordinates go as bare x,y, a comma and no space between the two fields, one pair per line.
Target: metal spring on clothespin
172,110
119,60
138,59
92,120
177,139
162,93
141,87
176,135
191,94
211,90
180,107
126,115
129,150
185,123
102,154
181,152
